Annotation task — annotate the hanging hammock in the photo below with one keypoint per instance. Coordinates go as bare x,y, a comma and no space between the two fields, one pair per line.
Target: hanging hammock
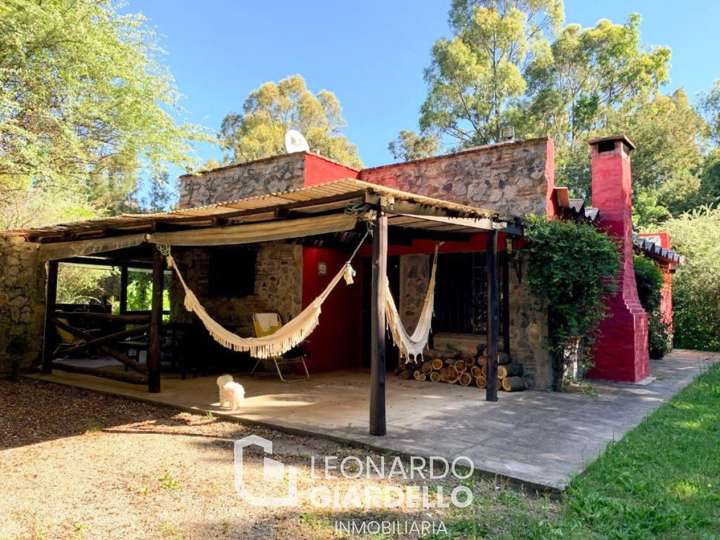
411,346
284,338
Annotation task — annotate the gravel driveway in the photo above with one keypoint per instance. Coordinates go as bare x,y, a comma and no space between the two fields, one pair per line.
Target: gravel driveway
76,464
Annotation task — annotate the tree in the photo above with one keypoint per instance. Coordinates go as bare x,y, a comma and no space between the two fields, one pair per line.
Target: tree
477,77
272,109
592,79
83,103
409,145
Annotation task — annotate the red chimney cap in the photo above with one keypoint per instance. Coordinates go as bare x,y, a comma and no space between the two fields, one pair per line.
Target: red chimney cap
620,137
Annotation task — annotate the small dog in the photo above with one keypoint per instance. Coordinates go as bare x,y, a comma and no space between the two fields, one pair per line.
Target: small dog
235,394
224,397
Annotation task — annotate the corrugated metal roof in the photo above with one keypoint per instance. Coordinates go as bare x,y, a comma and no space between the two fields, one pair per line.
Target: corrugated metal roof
331,196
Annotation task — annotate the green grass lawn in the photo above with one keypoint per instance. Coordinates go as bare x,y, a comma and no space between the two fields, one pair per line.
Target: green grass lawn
662,480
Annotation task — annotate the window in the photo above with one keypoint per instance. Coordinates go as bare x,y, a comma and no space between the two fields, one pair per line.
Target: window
461,294
231,272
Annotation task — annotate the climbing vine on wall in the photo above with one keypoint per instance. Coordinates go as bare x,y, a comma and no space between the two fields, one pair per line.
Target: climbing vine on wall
571,269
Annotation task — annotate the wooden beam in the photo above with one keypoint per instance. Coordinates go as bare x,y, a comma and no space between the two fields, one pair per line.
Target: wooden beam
106,373
153,358
50,300
377,325
123,289
506,301
139,318
105,349
493,319
108,338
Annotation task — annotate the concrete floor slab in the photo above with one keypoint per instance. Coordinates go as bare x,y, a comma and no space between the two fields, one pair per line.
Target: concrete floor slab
539,438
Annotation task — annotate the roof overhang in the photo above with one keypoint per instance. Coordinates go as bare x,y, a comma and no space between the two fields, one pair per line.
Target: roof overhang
341,197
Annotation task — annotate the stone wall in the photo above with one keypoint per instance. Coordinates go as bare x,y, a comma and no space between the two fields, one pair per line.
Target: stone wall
512,178
22,304
278,286
277,173
414,277
528,329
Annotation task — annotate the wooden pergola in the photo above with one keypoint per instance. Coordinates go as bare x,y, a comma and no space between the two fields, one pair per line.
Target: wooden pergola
342,206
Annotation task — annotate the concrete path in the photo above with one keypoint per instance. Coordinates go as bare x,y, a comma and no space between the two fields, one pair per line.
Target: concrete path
538,438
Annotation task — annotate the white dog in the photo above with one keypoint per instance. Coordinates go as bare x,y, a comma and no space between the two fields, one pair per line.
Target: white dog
224,397
235,394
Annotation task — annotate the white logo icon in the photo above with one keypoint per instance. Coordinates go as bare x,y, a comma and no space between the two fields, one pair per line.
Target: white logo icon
273,471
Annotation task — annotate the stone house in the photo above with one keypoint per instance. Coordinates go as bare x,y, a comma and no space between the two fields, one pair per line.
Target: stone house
508,180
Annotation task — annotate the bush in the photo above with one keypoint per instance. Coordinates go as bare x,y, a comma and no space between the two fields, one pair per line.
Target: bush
649,281
571,270
696,284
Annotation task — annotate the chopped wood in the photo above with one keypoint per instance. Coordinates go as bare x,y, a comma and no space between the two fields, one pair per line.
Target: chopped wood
512,384
477,371
437,363
465,379
509,370
470,362
459,366
405,374
419,375
482,361
435,376
426,367
504,358
480,381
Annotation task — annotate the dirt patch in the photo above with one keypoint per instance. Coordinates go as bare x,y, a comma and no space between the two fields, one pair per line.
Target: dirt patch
76,464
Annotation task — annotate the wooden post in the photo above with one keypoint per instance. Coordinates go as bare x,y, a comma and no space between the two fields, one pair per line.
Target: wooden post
50,300
506,301
123,288
377,326
493,318
153,358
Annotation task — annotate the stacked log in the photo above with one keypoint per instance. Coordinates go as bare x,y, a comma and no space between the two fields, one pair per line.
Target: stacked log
466,371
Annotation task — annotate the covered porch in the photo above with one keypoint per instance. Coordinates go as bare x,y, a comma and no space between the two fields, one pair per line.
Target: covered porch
328,224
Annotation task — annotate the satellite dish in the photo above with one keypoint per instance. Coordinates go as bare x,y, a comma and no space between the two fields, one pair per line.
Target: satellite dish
295,142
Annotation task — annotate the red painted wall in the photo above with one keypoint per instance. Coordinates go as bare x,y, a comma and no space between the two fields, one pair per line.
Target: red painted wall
319,170
621,351
337,341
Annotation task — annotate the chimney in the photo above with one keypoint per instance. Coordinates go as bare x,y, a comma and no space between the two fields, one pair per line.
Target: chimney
621,350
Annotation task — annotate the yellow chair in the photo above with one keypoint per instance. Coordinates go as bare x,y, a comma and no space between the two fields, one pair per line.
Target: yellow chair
265,324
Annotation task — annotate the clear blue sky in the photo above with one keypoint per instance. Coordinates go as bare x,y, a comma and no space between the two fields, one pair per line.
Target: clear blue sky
371,53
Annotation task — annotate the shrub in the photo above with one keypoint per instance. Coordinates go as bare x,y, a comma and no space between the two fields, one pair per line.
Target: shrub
696,284
571,270
649,281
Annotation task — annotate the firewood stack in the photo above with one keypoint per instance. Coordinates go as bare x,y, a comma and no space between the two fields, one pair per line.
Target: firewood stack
453,368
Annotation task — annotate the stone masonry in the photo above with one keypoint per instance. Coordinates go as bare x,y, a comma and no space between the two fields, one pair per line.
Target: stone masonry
278,286
22,304
513,178
278,173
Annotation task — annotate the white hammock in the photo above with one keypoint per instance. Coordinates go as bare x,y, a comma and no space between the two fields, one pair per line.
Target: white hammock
411,346
279,342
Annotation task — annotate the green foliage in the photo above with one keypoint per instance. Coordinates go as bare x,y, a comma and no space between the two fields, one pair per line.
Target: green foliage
83,106
571,270
477,77
660,481
272,109
696,284
409,145
649,280
83,284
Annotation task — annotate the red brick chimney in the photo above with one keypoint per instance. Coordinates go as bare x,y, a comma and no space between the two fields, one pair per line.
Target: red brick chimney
621,351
